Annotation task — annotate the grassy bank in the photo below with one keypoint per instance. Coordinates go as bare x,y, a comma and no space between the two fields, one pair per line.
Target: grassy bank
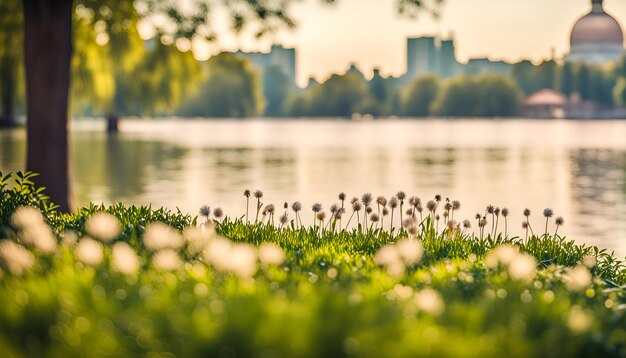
123,281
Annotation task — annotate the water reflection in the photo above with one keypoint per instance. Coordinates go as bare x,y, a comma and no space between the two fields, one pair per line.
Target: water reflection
576,168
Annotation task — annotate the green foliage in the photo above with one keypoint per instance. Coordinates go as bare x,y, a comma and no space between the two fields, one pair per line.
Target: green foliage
328,298
21,191
481,96
232,89
418,98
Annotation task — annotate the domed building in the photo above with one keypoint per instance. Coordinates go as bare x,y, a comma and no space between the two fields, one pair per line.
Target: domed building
596,38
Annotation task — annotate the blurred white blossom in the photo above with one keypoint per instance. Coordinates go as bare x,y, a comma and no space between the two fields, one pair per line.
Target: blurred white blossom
25,216
89,251
271,254
103,226
160,236
167,260
16,257
124,259
578,278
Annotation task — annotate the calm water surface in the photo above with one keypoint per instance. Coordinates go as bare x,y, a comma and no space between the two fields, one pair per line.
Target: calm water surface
577,168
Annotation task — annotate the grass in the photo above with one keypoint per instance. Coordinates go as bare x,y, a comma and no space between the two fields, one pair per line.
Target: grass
331,294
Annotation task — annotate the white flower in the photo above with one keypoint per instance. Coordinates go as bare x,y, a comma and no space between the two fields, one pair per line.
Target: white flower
124,259
167,260
501,255
578,278
40,236
271,254
160,236
243,260
387,255
25,216
197,238
523,267
217,253
89,251
589,261
429,301
103,226
410,251
16,257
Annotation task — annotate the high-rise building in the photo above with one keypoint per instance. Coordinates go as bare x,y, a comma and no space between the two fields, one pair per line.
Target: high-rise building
431,55
421,56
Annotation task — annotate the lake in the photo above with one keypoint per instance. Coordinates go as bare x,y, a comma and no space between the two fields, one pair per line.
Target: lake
577,168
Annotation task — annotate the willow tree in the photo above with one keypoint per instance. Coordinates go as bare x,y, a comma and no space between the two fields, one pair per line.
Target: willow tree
48,55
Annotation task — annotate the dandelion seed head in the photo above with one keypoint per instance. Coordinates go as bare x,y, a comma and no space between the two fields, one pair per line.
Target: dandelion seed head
497,211
246,193
160,236
526,212
452,224
381,200
409,211
437,217
524,225
321,216
205,211
284,218
218,213
366,199
356,206
297,206
369,210
437,198
477,216
167,260
354,200
559,221
446,214
258,194
342,196
482,222
548,212
317,207
431,205
16,257
286,205
124,259
374,218
334,208
89,251
447,207
385,211
456,205
271,254
408,222
490,209
393,202
401,195
419,208
505,212
467,224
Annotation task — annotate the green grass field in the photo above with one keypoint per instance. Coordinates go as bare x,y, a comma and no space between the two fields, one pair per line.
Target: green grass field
132,281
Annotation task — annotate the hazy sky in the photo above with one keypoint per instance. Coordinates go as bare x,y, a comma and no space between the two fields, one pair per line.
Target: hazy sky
371,34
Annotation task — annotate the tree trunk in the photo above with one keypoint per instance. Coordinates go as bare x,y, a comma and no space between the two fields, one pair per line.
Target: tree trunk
47,54
8,94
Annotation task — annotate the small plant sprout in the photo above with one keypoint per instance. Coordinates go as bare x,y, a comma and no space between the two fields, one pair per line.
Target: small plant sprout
491,210
401,196
205,212
258,195
284,218
393,204
317,207
342,197
505,214
246,193
559,221
296,207
547,213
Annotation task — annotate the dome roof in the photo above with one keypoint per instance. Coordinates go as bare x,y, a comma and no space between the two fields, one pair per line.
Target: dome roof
597,26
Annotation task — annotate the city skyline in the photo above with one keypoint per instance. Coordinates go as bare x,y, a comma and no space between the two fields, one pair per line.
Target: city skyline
351,33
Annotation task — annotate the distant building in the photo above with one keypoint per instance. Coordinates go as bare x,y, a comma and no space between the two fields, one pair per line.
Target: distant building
477,66
421,57
596,38
546,103
285,58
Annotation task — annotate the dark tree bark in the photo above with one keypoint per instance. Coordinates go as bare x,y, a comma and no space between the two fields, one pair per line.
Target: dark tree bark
47,54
